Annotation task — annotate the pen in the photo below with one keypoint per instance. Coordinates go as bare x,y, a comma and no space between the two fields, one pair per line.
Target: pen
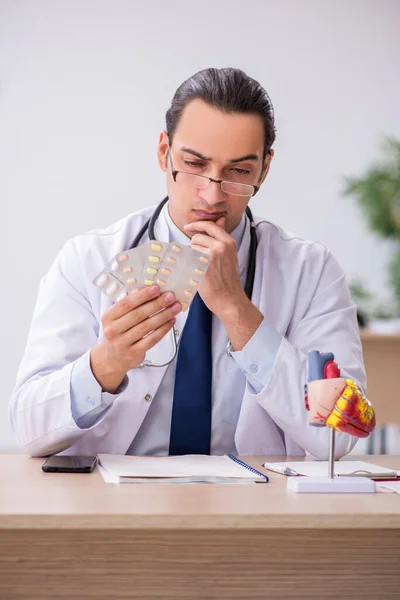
280,469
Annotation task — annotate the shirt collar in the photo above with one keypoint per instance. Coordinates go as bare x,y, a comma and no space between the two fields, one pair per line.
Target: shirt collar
176,235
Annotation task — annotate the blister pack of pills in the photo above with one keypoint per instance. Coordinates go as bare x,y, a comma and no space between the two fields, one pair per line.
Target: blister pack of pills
173,267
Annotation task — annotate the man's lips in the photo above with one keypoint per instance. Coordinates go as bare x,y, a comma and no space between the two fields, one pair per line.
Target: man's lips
209,216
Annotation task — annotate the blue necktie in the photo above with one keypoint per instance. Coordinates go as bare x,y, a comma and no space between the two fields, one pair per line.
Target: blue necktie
191,409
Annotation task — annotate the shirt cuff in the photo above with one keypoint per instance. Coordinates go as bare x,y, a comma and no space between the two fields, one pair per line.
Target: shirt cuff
257,357
88,402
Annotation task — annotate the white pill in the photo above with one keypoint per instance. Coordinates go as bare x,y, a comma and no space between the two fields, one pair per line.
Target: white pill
121,296
111,289
101,280
114,266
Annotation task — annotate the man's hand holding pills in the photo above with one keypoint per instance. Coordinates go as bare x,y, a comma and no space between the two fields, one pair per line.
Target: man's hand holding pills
131,327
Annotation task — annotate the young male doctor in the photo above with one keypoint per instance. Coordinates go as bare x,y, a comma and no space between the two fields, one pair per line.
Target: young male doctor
237,383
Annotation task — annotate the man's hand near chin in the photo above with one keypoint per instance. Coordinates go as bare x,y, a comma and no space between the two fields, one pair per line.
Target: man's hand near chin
221,288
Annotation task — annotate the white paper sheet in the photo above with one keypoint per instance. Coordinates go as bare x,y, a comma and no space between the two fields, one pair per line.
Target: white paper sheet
320,468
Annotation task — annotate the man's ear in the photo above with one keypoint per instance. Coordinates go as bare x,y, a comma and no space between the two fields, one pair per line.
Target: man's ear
266,166
162,150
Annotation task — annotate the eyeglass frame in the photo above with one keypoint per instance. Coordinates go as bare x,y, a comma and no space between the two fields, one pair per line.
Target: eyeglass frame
174,173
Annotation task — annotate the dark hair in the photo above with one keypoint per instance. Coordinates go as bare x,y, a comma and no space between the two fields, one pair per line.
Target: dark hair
231,91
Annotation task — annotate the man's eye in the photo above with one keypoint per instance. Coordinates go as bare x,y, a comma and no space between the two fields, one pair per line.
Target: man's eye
193,163
241,171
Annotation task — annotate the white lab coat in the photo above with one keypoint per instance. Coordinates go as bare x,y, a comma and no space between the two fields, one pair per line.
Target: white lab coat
299,288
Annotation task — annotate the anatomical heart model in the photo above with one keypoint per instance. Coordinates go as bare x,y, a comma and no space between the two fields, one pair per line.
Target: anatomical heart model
335,401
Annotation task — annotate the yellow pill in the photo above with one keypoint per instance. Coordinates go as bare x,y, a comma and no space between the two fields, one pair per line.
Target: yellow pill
204,259
149,281
199,271
131,281
151,270
154,259
161,282
122,257
176,248
171,260
165,271
184,305
193,282
188,293
127,270
156,247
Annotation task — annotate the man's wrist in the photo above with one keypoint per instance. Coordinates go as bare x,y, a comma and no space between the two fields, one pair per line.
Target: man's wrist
241,320
107,372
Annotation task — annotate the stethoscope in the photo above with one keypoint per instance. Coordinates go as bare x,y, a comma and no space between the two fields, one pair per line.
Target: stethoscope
248,288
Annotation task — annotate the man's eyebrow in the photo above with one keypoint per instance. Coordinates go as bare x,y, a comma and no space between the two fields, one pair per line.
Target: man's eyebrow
208,159
198,154
243,158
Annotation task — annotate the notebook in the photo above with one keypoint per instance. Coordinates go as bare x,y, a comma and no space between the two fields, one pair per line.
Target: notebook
355,468
178,469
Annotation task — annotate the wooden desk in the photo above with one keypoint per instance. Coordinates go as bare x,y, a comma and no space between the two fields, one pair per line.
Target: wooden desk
73,536
382,364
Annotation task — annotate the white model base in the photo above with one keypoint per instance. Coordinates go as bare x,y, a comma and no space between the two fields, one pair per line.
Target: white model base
337,485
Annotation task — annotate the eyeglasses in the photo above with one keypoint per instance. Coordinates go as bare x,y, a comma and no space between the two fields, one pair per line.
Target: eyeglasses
201,182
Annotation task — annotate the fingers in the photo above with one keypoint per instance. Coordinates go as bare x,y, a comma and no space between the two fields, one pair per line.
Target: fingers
139,314
212,246
210,228
204,241
221,222
132,301
139,331
201,249
154,337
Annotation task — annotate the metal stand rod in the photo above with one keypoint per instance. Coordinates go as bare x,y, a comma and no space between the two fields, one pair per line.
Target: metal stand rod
331,453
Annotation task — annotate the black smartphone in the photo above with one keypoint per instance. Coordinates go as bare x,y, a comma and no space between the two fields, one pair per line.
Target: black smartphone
69,464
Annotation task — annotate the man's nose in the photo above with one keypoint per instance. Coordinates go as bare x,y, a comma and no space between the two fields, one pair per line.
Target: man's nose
213,193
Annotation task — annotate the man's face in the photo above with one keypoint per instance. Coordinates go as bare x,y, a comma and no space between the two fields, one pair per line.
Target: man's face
215,144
